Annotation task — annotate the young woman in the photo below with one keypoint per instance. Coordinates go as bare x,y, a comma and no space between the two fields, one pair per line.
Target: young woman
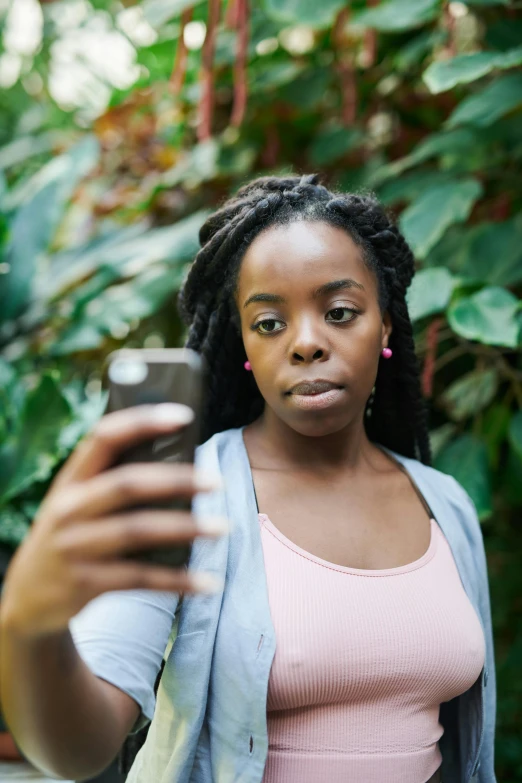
351,637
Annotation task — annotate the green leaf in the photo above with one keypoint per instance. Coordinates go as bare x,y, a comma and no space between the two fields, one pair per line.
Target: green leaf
426,219
270,76
7,375
12,397
307,12
430,292
515,433
86,413
504,34
332,143
470,394
129,251
416,50
21,149
511,479
198,165
308,90
495,100
465,68
14,526
493,431
111,312
482,245
398,15
466,459
486,2
438,144
488,316
37,219
440,437
158,12
45,413
412,185
469,252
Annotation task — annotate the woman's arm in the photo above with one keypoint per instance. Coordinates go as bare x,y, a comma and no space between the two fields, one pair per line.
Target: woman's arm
78,722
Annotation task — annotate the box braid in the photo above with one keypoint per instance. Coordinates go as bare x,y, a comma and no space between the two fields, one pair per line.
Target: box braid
206,304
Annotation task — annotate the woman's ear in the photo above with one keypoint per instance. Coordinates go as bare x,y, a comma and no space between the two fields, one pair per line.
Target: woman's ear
387,327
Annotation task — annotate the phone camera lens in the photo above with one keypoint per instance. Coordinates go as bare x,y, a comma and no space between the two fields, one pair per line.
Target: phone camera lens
128,371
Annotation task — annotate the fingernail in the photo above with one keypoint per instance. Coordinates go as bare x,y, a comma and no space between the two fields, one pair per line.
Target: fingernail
172,413
213,525
208,481
207,583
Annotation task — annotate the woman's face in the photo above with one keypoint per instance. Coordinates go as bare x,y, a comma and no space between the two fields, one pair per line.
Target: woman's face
294,332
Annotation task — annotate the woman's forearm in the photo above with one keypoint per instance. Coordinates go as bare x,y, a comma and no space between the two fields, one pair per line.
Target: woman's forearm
60,714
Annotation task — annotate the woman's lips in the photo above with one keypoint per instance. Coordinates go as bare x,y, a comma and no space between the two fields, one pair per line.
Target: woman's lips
316,401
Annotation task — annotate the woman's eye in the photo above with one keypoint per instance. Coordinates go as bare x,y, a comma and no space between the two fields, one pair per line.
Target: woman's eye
266,321
266,326
339,312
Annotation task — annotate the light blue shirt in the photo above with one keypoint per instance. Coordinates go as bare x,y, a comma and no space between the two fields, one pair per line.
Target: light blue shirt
209,722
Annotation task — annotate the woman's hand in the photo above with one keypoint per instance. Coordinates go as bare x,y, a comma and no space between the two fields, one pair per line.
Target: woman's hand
73,551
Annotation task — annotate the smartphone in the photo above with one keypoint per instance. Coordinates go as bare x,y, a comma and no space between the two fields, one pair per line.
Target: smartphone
145,376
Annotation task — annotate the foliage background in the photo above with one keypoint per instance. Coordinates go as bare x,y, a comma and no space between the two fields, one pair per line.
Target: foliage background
120,128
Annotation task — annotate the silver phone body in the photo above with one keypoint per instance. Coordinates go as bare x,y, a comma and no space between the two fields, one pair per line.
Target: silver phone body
142,376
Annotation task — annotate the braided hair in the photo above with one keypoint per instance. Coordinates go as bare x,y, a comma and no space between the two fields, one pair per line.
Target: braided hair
207,306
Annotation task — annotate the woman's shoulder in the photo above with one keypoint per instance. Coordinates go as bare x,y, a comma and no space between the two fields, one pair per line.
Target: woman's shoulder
218,440
443,484
210,455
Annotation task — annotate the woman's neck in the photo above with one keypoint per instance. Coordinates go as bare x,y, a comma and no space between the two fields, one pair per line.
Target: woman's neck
274,443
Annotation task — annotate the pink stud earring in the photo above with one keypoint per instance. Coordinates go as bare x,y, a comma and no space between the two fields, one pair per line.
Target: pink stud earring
386,352
247,365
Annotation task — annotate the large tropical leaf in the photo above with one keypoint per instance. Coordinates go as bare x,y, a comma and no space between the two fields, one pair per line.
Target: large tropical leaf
398,15
485,107
333,142
110,313
128,251
466,459
158,12
451,143
489,316
427,218
430,292
444,75
309,12
470,393
33,449
37,219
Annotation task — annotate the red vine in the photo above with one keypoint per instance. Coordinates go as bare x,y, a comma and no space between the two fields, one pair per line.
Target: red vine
428,372
270,151
206,104
177,76
370,41
240,65
345,68
231,14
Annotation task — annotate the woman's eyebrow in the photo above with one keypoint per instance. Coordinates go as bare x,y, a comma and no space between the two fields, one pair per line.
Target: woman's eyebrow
326,288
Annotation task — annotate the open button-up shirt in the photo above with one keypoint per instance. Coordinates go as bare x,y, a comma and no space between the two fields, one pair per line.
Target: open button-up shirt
209,722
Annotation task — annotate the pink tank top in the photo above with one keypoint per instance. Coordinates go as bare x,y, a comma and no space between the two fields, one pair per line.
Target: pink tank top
363,661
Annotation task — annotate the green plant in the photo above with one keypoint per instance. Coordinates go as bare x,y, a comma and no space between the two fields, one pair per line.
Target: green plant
101,204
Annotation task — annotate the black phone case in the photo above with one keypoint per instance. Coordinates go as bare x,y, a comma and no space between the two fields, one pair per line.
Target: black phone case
151,376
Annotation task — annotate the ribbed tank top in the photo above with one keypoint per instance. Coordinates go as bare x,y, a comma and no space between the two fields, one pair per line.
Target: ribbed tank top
363,660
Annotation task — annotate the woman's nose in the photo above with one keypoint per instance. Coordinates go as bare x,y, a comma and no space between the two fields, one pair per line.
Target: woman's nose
307,344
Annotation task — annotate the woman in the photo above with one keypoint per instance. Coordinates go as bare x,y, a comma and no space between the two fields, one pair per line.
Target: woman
352,638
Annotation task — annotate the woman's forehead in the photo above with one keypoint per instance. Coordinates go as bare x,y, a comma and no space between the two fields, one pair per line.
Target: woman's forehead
300,250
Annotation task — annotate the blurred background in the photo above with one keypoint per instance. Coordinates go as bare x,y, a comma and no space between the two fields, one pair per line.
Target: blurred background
123,123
